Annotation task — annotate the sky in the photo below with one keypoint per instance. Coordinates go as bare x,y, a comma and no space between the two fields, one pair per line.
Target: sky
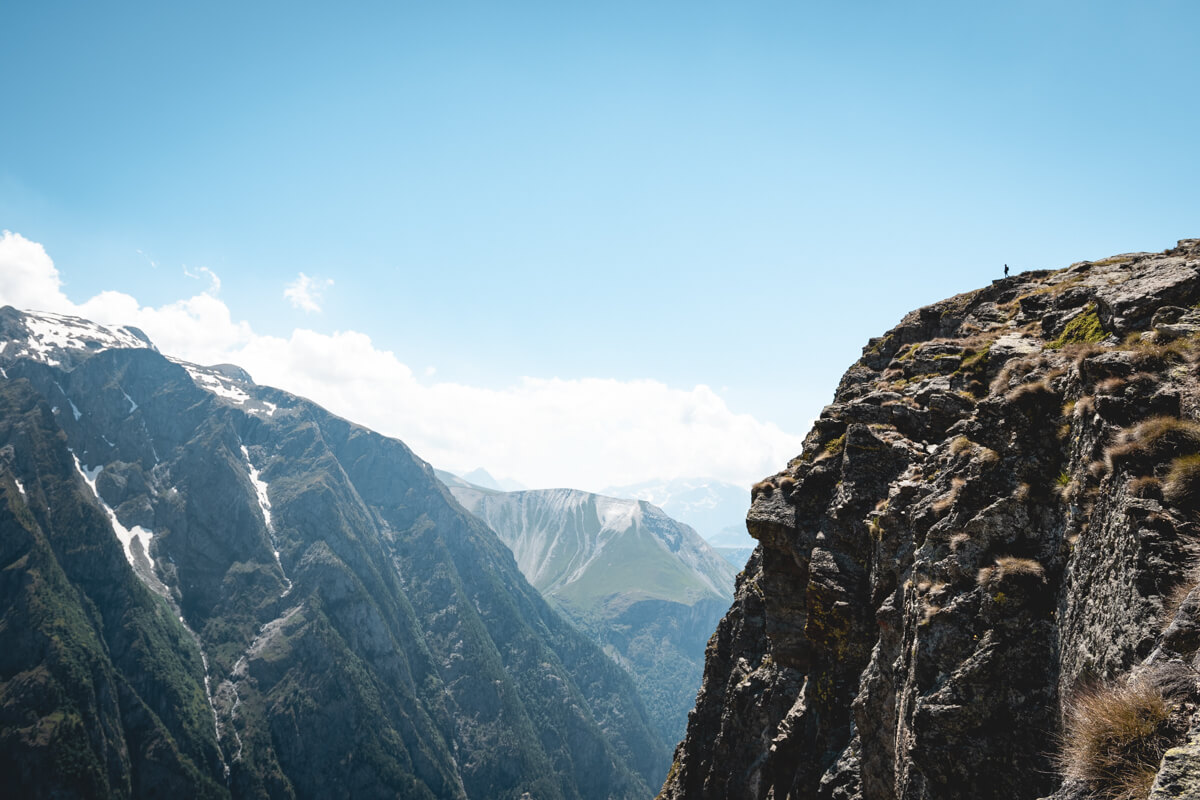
576,244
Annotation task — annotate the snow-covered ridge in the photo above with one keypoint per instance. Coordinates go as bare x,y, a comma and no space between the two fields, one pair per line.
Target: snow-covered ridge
58,339
558,535
221,382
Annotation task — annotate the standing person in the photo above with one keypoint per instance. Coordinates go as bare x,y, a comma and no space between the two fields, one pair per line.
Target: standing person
1006,270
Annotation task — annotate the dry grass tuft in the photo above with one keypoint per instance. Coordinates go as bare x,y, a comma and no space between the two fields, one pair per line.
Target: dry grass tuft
1029,396
1008,569
988,456
942,505
1173,600
960,444
1182,486
1146,486
1153,442
1114,739
762,487
1084,407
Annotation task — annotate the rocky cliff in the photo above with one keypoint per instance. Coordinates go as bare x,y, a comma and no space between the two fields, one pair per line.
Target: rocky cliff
210,588
979,578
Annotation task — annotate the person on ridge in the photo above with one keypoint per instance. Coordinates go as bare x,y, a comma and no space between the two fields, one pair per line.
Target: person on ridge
1006,270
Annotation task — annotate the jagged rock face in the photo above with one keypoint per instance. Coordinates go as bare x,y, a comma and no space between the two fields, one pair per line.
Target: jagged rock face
983,531
212,588
645,587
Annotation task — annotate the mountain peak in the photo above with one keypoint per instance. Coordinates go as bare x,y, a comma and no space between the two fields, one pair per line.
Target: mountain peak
61,339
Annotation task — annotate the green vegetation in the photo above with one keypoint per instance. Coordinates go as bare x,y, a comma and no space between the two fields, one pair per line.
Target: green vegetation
1085,328
834,447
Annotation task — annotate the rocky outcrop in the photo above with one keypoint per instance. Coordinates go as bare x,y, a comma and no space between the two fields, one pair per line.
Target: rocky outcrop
978,579
211,588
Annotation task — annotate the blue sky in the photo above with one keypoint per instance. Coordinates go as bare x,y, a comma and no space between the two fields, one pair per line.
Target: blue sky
730,195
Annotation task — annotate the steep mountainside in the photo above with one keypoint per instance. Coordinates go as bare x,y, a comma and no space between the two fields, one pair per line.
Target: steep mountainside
213,588
646,587
979,579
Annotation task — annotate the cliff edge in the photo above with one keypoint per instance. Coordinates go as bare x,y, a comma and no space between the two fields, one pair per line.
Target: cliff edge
979,578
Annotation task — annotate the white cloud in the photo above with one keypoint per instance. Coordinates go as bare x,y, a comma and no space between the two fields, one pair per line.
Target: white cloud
28,278
584,433
305,292
153,264
214,285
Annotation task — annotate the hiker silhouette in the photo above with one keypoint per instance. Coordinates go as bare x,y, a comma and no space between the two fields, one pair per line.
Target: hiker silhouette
1006,270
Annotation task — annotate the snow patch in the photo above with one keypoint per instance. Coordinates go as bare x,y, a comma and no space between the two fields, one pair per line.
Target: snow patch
215,384
125,535
260,488
50,334
132,405
264,504
20,487
618,515
74,409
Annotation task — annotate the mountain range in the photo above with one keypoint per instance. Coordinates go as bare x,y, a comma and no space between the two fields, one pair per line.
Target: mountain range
212,588
644,586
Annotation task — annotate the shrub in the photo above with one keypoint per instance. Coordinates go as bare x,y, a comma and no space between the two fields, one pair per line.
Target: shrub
1114,738
1182,486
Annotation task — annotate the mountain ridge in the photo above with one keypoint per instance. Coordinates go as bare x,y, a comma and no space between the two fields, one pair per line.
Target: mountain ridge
326,577
645,587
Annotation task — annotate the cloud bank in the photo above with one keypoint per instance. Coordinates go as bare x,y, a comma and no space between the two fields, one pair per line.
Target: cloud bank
583,433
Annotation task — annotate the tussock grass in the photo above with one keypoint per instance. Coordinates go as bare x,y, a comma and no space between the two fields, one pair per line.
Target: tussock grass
961,444
1009,568
1114,738
1182,485
762,487
1153,442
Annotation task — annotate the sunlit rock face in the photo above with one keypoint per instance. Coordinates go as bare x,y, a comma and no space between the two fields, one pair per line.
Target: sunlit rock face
212,588
990,531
